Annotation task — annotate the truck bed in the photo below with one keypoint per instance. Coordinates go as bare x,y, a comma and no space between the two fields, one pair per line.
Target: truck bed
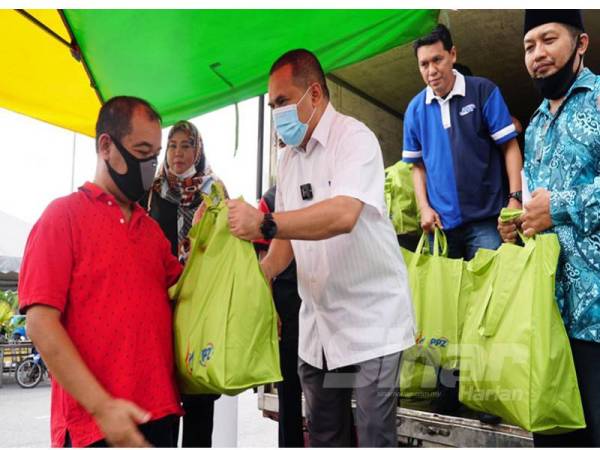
419,427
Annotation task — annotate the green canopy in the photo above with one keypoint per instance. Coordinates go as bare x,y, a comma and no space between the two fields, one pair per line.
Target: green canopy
190,62
59,65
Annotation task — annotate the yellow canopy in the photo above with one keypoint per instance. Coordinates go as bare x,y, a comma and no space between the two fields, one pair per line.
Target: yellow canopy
39,77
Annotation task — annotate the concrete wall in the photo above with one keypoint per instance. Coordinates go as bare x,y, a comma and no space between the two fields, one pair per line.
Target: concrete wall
386,127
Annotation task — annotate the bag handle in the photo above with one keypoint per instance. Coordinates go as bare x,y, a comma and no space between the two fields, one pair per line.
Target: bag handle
440,244
502,288
508,214
217,194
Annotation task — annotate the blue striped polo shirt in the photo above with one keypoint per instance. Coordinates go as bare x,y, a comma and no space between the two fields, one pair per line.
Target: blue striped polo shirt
458,141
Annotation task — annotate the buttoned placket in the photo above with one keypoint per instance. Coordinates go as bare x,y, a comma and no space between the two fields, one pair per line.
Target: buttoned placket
121,218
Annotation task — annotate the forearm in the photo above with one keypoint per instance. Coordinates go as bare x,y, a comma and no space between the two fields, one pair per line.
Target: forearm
279,256
420,184
514,163
62,358
322,220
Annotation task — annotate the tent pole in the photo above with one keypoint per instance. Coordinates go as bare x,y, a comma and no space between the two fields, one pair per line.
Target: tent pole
76,52
259,151
41,25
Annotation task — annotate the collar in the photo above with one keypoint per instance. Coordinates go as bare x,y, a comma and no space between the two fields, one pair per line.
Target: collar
459,88
321,132
95,192
585,80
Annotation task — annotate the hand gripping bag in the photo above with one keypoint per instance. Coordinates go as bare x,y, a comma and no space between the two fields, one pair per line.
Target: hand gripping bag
225,319
437,284
516,359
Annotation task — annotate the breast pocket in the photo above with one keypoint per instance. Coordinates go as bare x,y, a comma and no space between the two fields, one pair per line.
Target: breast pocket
308,192
322,190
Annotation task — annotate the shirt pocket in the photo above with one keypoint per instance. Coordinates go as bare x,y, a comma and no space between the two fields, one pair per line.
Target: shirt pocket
321,190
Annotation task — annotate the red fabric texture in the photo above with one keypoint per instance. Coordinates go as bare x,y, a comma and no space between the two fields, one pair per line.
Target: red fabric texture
109,279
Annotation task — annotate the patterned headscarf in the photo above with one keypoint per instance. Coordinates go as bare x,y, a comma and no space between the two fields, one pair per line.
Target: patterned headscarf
186,193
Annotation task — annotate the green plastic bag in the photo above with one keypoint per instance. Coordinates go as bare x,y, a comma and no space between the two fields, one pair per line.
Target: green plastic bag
418,376
400,198
225,319
437,283
516,359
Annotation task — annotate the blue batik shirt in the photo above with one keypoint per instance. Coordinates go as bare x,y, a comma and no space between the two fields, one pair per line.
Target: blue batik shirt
562,154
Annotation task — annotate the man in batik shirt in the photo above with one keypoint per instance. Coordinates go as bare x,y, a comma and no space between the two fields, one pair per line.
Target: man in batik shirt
562,168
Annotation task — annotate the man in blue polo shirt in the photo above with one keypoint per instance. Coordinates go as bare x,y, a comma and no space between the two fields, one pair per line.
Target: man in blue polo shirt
460,137
459,134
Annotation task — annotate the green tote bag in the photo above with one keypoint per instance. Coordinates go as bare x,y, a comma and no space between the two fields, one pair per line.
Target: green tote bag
225,319
437,283
516,359
400,198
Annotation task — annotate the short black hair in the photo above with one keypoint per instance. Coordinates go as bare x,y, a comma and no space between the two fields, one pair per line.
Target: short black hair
439,33
306,68
465,70
115,115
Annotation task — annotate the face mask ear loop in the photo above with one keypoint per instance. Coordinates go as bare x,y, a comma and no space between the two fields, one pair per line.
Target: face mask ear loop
314,108
580,56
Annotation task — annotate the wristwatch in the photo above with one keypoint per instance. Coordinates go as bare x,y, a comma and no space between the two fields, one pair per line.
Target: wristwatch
517,195
268,227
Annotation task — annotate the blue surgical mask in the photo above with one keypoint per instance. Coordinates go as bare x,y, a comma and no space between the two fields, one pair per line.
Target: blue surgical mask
289,127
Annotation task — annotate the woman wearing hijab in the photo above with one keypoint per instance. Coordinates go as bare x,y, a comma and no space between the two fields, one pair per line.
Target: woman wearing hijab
174,198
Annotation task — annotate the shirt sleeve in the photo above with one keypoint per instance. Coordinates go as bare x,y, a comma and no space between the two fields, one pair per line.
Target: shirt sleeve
578,206
498,118
45,274
359,169
412,151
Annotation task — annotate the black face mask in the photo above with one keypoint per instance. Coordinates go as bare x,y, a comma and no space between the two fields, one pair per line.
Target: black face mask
139,176
556,85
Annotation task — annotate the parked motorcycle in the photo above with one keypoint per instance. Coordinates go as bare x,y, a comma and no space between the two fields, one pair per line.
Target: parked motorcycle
31,371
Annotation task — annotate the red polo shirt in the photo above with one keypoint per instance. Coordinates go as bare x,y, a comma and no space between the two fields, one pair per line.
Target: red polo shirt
109,279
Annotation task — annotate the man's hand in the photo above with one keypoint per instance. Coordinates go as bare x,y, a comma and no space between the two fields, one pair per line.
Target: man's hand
118,419
508,230
244,220
430,219
537,213
513,203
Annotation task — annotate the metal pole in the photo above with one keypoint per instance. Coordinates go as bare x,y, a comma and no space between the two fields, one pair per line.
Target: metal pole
73,163
259,152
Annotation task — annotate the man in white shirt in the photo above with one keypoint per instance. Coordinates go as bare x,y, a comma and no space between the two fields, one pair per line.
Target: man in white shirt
356,315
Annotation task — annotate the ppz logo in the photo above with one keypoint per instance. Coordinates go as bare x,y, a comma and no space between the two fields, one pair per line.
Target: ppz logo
206,353
424,341
189,358
467,109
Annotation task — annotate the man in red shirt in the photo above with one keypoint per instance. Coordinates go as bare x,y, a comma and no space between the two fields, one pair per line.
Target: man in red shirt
94,285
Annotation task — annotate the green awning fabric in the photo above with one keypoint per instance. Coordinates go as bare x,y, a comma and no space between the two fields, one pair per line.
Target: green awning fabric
189,62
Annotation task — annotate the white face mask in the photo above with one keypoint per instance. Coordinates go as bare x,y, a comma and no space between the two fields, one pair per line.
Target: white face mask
188,173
